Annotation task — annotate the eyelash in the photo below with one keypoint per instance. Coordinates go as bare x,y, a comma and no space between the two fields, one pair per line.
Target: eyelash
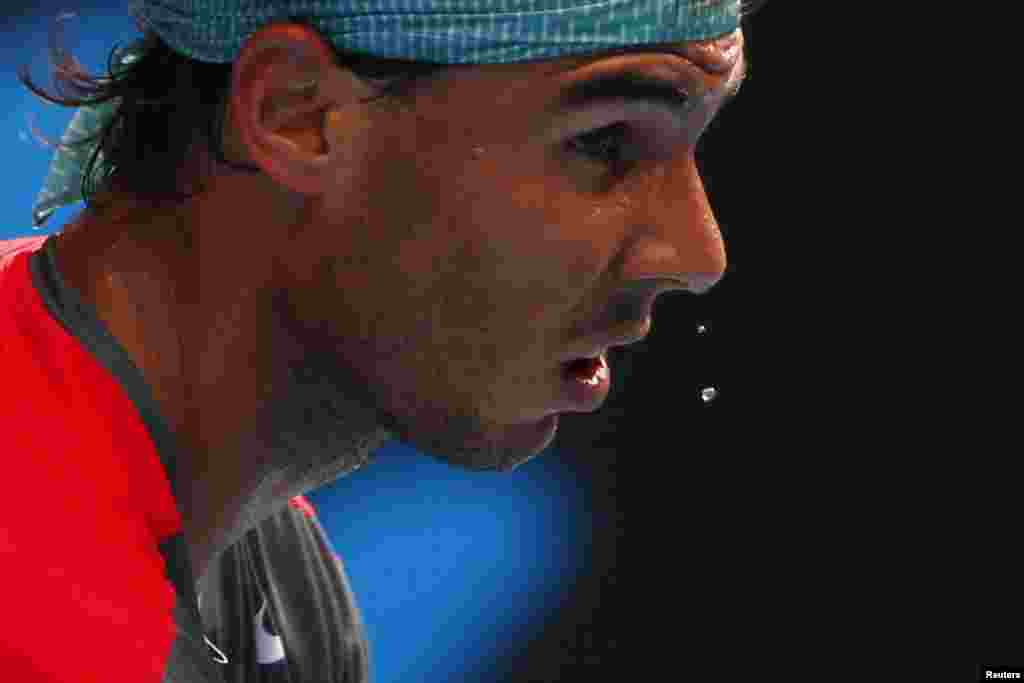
587,143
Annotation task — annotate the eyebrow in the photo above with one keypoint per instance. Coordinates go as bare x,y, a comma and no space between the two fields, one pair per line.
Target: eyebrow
637,86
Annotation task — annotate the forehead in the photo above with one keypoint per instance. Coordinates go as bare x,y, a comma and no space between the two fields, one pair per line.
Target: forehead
717,55
514,90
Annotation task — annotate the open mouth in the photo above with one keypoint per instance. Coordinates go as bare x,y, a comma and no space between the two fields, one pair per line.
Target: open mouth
590,371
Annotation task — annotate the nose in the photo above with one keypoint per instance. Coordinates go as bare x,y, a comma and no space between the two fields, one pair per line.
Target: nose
680,241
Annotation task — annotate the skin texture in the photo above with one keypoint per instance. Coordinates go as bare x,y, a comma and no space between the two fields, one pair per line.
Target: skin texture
416,272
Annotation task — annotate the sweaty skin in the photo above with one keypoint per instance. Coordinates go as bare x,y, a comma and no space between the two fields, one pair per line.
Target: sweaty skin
414,272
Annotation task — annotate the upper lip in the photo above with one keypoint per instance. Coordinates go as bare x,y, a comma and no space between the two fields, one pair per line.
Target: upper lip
629,305
600,344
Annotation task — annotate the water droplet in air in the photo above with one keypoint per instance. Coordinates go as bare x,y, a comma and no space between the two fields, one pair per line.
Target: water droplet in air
708,395
701,329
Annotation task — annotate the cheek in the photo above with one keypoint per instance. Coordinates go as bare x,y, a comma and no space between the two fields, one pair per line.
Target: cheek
474,269
535,238
510,313
522,272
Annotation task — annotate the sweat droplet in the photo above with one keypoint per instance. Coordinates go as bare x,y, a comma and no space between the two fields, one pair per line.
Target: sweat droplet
708,395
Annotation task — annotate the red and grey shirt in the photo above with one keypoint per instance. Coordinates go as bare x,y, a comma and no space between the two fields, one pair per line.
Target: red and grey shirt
94,573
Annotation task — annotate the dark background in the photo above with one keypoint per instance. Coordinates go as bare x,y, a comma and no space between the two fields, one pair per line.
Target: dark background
703,555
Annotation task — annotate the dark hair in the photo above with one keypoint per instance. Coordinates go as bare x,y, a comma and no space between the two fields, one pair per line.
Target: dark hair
169,102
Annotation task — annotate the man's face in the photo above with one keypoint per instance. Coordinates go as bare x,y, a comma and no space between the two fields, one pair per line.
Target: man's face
473,244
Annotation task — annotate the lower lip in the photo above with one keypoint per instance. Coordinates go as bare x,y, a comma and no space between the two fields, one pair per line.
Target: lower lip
587,396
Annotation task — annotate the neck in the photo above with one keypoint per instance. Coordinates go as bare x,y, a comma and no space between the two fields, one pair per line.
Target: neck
305,430
259,416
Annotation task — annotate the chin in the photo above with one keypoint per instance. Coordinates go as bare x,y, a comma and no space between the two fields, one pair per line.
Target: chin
501,449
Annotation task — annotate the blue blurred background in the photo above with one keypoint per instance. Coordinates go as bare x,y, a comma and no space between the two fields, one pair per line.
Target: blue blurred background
454,571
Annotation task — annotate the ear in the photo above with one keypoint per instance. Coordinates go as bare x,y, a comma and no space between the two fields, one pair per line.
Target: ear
283,84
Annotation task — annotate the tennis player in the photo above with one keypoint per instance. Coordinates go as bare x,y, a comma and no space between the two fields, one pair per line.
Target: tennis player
313,226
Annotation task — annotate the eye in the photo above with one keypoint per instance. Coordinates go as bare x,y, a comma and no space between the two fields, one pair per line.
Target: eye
603,145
